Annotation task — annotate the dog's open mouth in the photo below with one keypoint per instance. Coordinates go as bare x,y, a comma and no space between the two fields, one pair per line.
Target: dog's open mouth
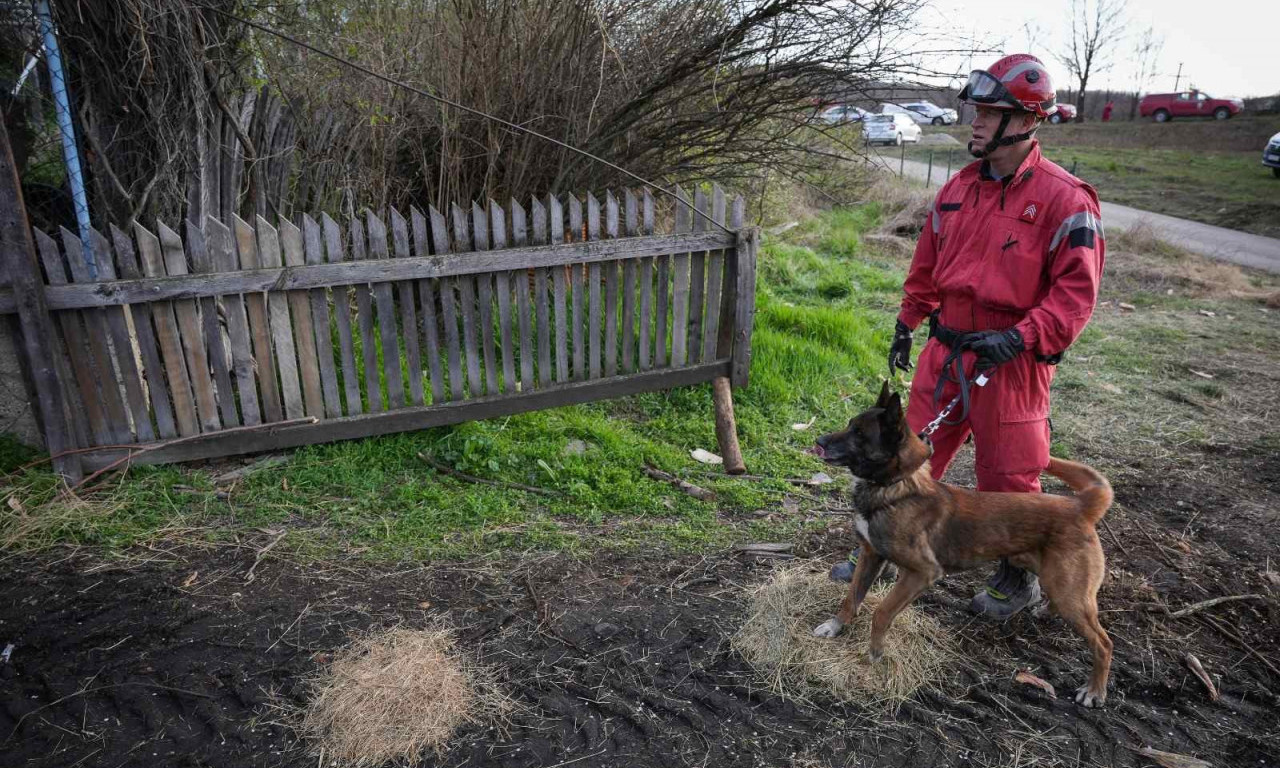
816,450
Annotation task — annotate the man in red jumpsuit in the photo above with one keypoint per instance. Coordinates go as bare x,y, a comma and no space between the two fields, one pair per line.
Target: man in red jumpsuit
1007,269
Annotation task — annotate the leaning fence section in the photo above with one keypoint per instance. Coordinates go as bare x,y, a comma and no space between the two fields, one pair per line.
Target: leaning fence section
223,337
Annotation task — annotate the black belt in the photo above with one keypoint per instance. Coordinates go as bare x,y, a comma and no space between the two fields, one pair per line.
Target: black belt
949,337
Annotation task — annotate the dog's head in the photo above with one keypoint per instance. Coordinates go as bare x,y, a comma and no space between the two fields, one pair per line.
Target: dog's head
877,445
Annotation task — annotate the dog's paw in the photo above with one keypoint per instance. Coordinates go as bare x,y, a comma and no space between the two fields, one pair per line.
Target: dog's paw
829,628
876,655
1087,698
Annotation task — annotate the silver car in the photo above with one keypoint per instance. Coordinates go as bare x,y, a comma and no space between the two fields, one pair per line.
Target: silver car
893,128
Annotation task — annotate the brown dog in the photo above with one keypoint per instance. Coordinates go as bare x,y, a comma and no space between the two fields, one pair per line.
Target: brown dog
928,529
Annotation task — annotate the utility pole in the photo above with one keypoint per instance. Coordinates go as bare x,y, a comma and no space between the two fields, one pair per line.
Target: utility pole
1178,78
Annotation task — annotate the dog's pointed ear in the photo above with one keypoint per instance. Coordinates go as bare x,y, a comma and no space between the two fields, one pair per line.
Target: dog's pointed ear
884,395
892,410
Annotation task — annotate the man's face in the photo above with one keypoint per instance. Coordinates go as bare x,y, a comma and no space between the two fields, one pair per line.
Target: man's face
986,121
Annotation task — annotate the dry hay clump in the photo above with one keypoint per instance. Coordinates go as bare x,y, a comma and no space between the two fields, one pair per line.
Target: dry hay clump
394,694
777,640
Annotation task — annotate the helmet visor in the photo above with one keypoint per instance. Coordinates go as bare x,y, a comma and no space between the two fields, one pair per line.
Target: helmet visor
985,88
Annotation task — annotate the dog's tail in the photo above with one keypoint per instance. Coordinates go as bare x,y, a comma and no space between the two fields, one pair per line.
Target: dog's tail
1091,488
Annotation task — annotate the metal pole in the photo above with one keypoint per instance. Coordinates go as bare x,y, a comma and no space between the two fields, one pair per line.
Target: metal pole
902,162
929,181
62,105
949,152
1178,79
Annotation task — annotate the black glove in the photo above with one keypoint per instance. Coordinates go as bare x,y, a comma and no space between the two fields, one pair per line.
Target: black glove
996,347
900,349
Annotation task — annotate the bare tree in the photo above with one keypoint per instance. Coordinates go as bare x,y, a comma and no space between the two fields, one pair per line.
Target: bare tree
1096,27
1146,53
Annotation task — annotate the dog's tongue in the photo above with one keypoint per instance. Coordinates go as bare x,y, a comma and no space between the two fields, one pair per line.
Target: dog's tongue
816,450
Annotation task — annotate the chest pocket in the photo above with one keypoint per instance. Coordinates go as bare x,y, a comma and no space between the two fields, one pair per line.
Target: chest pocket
1015,268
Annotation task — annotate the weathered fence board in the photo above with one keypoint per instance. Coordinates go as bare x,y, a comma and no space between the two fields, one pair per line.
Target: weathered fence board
364,318
377,234
100,356
321,323
334,253
153,369
680,297
484,300
300,304
408,311
427,295
282,333
169,337
174,262
286,356
77,351
259,322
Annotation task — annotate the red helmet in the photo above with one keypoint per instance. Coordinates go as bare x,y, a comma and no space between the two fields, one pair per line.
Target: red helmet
1016,82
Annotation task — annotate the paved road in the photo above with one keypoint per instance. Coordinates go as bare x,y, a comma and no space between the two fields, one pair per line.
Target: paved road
1205,239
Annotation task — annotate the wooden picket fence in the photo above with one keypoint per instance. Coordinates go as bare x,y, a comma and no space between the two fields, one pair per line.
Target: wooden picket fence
237,337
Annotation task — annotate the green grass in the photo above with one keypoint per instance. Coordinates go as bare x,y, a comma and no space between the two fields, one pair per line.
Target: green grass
825,309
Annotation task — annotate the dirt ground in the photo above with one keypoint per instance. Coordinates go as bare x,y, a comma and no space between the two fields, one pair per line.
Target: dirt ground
176,660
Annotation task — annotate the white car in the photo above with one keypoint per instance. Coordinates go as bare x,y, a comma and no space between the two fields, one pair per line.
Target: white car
893,128
923,112
842,113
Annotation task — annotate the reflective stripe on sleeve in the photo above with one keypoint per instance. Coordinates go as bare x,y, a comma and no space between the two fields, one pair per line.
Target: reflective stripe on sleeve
1084,222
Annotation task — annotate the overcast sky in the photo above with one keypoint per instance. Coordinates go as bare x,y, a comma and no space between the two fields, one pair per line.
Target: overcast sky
1227,47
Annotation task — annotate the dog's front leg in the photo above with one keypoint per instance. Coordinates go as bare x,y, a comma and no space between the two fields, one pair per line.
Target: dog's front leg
870,563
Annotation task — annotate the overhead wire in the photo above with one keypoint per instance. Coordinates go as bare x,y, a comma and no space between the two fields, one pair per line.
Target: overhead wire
449,102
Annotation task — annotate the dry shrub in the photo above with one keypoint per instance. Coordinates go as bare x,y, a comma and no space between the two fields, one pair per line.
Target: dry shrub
905,206
777,640
1138,259
395,693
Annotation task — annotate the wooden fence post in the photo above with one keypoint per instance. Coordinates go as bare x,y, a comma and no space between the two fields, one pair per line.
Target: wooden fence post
39,340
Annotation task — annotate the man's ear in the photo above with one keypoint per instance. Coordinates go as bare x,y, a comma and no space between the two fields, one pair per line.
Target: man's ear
884,395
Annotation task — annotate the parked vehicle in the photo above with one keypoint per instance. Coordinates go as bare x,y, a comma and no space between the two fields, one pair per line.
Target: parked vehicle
1065,114
1271,155
923,112
893,128
1163,107
842,113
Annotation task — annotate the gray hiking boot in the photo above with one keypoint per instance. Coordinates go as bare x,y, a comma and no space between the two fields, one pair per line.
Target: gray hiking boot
1007,592
843,570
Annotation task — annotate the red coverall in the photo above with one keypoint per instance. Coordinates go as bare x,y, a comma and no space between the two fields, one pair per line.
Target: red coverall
1026,253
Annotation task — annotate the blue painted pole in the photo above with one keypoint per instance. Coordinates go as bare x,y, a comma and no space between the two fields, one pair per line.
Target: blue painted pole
62,105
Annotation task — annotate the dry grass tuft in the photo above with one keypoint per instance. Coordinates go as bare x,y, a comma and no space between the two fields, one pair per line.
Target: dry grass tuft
394,694
776,639
30,524
905,206
1144,261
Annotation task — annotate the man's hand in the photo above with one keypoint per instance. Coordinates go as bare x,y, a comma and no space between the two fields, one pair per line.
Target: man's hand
900,349
996,347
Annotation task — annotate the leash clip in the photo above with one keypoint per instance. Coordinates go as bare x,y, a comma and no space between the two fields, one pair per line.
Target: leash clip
981,380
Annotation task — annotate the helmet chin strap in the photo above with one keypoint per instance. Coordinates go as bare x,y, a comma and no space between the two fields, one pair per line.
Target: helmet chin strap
1000,140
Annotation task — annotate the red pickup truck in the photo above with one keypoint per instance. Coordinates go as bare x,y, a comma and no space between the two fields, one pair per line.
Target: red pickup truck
1163,107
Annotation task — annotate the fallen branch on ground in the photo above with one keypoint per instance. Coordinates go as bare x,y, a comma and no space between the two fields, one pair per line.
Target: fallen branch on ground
451,472
249,577
1198,669
1200,606
693,490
